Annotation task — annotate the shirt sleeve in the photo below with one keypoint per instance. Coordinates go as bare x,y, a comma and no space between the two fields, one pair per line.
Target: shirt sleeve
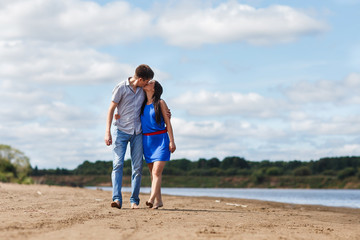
117,93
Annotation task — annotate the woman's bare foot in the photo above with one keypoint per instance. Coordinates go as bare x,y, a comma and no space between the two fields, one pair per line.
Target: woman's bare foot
149,204
158,205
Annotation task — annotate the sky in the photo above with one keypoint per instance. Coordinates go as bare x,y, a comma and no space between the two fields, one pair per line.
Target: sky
263,80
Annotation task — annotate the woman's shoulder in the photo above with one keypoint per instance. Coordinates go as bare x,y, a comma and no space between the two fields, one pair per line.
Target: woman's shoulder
162,101
163,104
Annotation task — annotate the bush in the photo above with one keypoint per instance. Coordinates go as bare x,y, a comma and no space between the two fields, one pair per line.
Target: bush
231,172
90,168
258,176
26,180
6,177
243,172
6,166
274,171
172,171
329,173
302,171
347,172
216,172
182,164
3,178
199,172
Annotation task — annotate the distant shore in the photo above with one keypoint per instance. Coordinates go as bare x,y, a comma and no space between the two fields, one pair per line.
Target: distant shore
52,212
318,182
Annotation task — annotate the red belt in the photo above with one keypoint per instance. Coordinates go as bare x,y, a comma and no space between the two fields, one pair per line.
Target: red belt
155,133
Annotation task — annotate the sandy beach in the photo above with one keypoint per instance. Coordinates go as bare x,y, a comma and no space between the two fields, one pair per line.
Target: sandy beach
52,212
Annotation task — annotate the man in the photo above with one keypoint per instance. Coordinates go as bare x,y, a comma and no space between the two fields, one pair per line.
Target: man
127,97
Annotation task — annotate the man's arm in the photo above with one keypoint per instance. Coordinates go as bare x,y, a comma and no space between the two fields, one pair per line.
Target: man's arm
108,138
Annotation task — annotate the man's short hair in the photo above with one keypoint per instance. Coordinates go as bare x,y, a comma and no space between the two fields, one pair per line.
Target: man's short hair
144,71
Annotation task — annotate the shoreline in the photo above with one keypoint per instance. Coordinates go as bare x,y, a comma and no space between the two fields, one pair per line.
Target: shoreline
306,182
54,212
324,197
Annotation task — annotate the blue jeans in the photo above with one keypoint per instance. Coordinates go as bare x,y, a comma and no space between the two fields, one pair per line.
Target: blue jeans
136,149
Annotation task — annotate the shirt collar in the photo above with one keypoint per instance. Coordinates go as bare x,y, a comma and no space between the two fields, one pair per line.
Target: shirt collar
128,81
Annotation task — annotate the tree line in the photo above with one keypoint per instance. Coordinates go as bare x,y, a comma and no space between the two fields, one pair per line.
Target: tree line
15,167
341,167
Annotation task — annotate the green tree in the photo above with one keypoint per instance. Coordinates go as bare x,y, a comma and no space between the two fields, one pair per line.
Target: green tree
274,171
182,164
347,172
89,168
335,163
213,163
17,159
293,164
234,162
302,171
202,163
6,166
258,176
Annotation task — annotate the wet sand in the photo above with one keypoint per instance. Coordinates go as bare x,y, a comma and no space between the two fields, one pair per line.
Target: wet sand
52,212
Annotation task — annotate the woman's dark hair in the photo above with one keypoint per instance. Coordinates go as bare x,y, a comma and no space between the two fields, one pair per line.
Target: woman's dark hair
158,90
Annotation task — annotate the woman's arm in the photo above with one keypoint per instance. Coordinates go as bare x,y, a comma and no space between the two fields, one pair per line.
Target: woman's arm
164,111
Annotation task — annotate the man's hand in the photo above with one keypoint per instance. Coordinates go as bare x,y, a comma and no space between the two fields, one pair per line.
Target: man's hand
116,116
168,113
108,139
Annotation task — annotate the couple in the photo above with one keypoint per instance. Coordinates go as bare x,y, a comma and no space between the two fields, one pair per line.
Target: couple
143,119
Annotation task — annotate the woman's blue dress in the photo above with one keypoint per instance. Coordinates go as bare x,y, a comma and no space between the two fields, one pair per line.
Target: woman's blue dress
156,147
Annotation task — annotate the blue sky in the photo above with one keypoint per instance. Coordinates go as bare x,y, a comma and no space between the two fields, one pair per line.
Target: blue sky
274,80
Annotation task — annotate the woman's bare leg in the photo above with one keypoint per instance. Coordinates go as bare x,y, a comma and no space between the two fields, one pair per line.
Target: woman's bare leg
150,166
157,170
150,203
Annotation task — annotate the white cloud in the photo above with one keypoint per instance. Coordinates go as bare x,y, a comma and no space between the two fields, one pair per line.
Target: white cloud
39,123
209,138
223,131
231,21
326,91
26,105
48,63
336,125
205,103
55,146
353,80
19,101
271,128
264,140
74,21
84,22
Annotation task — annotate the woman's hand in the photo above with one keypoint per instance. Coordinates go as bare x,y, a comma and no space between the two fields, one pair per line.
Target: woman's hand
172,147
116,116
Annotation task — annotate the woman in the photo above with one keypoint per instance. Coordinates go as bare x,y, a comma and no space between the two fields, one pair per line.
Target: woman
158,138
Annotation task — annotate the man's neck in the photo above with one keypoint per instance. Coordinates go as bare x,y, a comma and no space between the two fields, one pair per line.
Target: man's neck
133,83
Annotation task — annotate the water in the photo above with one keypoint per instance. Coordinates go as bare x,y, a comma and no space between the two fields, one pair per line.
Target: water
325,197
